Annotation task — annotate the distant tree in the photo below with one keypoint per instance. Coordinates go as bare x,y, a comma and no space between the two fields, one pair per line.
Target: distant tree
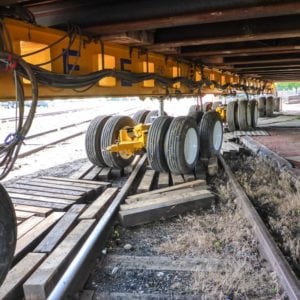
285,86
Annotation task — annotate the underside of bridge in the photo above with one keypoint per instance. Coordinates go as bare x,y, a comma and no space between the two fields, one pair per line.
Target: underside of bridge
256,38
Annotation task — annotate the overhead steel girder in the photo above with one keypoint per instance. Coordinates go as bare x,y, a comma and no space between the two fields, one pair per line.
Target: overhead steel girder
228,32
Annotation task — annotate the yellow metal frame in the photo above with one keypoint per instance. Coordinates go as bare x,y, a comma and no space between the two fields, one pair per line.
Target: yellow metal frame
118,57
131,140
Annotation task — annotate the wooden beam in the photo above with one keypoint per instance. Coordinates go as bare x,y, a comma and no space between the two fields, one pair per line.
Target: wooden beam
228,32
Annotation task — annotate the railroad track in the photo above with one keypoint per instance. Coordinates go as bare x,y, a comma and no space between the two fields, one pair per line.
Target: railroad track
139,270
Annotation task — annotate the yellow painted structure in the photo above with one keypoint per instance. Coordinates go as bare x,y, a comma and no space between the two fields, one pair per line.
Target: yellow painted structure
87,55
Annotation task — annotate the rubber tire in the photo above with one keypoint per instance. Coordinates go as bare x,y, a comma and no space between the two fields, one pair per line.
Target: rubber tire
262,106
242,114
248,115
197,116
93,141
230,115
110,136
269,106
194,108
207,106
277,101
174,145
253,112
206,134
155,143
153,113
8,233
140,116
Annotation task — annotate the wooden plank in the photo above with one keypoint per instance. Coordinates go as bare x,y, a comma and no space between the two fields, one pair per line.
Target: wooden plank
104,174
161,197
70,184
189,177
42,281
23,215
98,207
147,182
61,228
194,183
94,184
163,180
92,174
82,171
40,198
56,206
166,208
12,286
43,194
38,211
54,187
27,225
177,179
29,240
213,166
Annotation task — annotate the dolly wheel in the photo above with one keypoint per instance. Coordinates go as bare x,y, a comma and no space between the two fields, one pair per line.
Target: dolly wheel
110,135
211,134
182,145
155,143
140,116
93,141
242,114
230,115
254,113
8,233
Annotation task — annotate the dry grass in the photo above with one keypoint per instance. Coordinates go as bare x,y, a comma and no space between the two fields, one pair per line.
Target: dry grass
278,200
222,234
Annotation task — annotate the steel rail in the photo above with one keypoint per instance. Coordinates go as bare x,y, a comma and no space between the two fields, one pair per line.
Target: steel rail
79,269
269,247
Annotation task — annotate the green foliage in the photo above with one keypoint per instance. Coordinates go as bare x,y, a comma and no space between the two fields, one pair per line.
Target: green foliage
284,86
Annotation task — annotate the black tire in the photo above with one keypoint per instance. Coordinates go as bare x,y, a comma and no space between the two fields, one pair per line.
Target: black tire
269,106
140,116
242,114
151,116
194,108
197,116
207,106
230,115
262,106
8,233
93,141
109,136
253,112
277,101
155,143
175,145
209,145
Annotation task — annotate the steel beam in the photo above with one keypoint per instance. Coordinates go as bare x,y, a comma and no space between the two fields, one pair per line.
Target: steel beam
228,32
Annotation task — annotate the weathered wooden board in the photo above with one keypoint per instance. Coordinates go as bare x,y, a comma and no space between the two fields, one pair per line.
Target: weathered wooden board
92,174
40,284
29,240
104,174
147,182
40,198
194,183
23,215
165,208
12,286
43,194
27,225
163,180
54,186
61,228
94,184
56,206
98,207
38,211
177,179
